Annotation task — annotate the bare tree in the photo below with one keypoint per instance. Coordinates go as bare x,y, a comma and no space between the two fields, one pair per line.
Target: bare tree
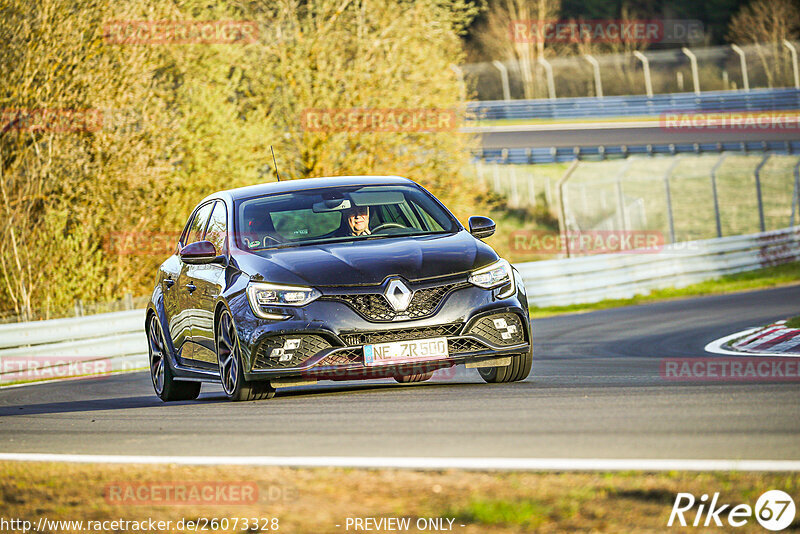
510,33
766,23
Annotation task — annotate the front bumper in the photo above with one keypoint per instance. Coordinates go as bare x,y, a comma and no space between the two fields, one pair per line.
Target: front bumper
324,340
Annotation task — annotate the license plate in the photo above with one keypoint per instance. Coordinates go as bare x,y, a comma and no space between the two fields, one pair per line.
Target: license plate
406,351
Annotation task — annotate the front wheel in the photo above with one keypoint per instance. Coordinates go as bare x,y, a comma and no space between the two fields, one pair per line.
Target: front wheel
519,369
164,383
231,369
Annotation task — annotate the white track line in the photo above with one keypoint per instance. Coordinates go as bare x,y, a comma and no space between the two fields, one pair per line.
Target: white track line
483,464
716,346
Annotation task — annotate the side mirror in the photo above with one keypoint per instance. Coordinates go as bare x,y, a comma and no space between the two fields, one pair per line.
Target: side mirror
200,252
481,227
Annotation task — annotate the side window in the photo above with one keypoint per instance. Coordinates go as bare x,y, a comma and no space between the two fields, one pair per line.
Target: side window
217,226
198,224
431,225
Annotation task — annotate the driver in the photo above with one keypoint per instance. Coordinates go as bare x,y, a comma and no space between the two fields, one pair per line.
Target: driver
357,218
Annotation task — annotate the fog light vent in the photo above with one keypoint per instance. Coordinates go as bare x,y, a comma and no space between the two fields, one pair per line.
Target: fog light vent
499,329
284,351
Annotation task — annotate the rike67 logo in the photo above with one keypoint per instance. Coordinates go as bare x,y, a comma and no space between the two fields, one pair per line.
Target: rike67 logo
774,510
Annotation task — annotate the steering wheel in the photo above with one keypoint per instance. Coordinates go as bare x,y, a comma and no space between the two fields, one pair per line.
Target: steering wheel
387,225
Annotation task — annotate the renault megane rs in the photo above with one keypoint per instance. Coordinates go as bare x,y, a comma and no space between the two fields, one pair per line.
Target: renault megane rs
341,278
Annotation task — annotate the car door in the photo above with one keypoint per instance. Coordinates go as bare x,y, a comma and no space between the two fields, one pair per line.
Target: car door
185,288
209,281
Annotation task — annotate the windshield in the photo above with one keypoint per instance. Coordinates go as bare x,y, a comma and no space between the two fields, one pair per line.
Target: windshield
338,214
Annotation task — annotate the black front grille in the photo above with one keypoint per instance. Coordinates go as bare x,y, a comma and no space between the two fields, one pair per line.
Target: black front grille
343,357
400,334
374,306
309,346
499,329
461,345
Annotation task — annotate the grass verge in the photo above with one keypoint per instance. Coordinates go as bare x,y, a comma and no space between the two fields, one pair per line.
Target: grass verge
317,500
794,322
777,276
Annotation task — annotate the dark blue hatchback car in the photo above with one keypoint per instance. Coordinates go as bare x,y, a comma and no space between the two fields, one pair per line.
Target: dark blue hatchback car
345,278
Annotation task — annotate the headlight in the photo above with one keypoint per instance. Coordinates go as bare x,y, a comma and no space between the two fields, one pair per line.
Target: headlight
498,274
265,294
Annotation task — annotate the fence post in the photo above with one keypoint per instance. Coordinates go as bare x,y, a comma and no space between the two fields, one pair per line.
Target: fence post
620,197
504,78
496,176
793,51
531,190
714,169
551,84
668,192
598,83
562,219
758,193
479,171
648,83
743,62
695,74
514,187
128,301
796,195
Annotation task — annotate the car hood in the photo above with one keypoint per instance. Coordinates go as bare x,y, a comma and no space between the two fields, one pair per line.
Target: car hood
370,261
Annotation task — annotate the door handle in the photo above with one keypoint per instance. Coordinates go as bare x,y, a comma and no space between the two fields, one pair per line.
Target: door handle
169,282
191,287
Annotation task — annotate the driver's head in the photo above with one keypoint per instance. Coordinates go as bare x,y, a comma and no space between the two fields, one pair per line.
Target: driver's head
357,219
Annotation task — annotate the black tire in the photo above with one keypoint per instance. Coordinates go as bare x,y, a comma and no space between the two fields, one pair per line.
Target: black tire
164,383
519,369
416,377
231,369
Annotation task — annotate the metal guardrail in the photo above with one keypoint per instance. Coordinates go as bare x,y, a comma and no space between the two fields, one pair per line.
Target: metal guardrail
623,275
56,348
566,154
637,105
70,329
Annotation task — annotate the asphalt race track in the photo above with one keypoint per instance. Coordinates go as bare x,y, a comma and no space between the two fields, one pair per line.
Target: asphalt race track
595,392
624,136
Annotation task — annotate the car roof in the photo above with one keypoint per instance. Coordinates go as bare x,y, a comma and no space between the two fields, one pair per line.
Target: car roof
288,186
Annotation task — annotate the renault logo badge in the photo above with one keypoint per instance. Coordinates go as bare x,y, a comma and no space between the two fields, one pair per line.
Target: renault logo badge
398,294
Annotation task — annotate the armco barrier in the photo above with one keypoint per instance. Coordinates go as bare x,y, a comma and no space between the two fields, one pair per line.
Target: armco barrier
562,154
50,348
637,105
611,276
70,329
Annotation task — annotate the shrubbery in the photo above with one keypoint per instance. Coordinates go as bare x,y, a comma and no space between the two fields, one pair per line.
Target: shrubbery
180,121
